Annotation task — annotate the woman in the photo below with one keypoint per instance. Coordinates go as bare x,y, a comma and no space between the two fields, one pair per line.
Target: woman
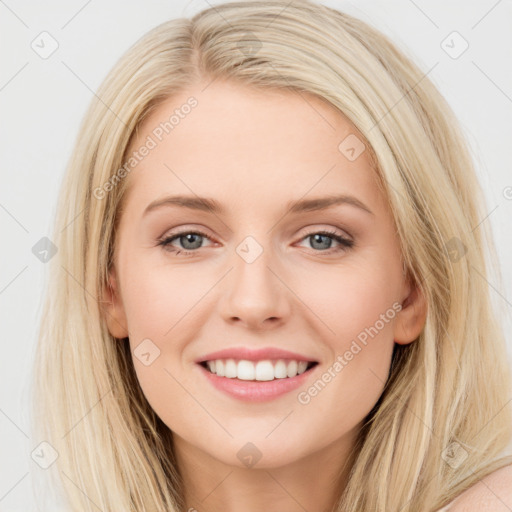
268,292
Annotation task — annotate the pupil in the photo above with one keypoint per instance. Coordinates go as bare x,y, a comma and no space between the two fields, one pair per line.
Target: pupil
319,237
190,239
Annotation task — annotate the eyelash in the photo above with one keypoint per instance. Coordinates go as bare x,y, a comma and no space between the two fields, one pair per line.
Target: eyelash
345,243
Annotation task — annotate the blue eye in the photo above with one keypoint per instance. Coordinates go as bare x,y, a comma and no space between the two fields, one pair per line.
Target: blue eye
320,237
188,239
191,241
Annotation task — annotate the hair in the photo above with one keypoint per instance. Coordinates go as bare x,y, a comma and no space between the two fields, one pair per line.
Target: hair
445,390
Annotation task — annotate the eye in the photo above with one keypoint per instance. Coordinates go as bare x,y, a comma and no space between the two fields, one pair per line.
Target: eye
322,240
191,241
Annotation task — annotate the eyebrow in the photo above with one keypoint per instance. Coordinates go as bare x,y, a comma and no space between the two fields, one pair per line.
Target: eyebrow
212,206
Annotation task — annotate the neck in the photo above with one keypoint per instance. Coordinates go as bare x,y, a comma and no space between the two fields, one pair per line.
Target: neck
313,482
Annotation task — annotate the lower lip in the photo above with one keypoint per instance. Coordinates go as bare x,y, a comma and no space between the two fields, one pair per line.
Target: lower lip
256,391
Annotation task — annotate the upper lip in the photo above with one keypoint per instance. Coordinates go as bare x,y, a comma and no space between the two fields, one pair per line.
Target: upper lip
254,354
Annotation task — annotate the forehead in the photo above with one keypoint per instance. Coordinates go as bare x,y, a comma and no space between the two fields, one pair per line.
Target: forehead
252,145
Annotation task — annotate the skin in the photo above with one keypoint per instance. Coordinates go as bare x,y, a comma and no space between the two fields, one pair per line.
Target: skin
253,152
491,494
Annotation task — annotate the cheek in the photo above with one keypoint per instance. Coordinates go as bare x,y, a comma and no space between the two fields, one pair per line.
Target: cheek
352,380
352,299
163,308
359,307
157,297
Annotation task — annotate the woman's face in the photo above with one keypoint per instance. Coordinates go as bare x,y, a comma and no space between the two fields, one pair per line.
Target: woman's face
260,275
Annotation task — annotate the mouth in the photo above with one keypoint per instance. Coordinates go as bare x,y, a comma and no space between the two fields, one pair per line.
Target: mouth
257,380
257,371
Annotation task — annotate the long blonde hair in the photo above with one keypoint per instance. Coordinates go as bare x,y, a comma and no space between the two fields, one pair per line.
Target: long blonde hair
447,391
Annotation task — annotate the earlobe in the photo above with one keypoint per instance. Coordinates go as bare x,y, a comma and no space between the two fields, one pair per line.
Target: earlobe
411,318
113,308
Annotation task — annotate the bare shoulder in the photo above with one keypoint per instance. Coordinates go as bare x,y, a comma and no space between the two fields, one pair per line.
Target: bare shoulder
491,494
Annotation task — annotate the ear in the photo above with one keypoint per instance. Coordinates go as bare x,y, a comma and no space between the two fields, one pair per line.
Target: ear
410,320
113,307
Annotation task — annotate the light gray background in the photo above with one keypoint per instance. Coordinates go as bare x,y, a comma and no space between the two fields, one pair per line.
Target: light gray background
43,101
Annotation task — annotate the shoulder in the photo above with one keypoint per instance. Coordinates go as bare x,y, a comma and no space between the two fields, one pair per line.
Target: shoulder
491,494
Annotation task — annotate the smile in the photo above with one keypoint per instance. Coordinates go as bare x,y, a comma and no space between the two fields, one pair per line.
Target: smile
264,370
250,380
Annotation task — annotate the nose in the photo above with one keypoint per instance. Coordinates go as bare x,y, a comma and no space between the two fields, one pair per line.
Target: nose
255,294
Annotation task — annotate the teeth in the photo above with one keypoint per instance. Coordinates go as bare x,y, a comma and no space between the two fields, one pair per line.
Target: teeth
230,369
293,366
260,370
280,369
245,370
264,370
